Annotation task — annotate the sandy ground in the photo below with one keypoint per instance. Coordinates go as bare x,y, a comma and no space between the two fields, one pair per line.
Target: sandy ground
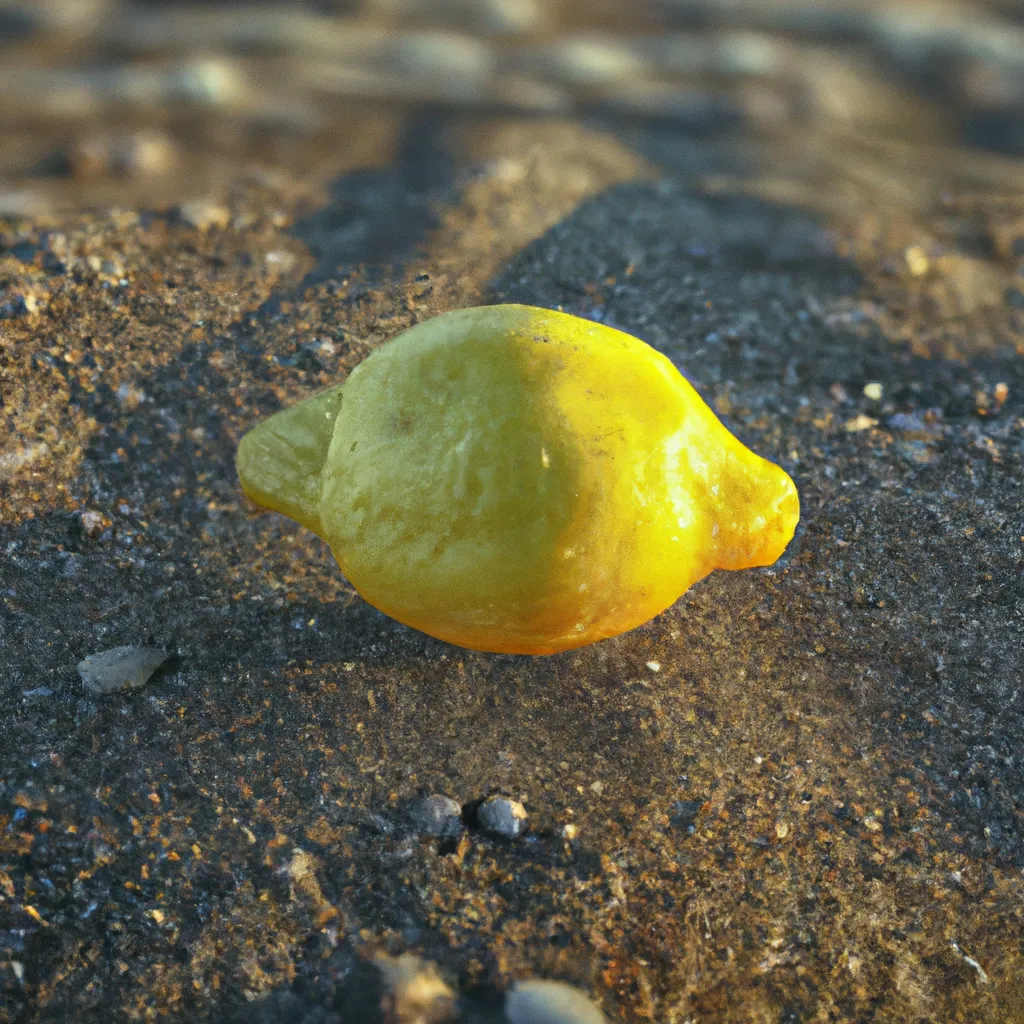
796,795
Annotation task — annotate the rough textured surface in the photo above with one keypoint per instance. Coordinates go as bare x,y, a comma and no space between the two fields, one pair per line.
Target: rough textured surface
795,796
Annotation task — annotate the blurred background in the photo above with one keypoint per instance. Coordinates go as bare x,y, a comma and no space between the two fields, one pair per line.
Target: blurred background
355,124
154,101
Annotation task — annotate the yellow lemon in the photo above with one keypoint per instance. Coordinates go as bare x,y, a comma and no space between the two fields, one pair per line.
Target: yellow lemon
515,479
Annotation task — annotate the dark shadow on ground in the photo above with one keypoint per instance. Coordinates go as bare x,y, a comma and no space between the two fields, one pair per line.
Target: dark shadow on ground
376,218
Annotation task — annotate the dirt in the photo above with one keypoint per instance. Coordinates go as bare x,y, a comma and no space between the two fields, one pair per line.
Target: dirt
795,796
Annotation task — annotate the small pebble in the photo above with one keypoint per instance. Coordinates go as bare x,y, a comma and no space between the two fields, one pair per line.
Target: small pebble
587,61
121,668
684,813
873,391
549,1002
143,154
917,260
280,260
207,83
416,992
137,155
503,816
437,815
858,423
204,214
453,62
92,523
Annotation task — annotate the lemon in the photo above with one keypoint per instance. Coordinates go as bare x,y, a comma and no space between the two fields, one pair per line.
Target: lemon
516,479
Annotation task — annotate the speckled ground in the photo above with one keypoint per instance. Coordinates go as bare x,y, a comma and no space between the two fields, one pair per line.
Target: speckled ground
797,794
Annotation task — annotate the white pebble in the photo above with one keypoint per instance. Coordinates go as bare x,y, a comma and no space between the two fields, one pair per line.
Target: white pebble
121,668
204,214
497,17
549,1002
586,60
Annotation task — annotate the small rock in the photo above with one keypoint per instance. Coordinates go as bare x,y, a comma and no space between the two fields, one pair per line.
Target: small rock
503,816
416,992
280,260
917,260
437,815
25,251
873,390
549,1002
143,154
684,813
204,214
926,427
137,155
749,53
208,83
92,524
20,204
39,691
121,668
454,63
918,452
587,60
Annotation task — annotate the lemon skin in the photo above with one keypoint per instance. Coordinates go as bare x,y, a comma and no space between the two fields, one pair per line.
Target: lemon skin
519,480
